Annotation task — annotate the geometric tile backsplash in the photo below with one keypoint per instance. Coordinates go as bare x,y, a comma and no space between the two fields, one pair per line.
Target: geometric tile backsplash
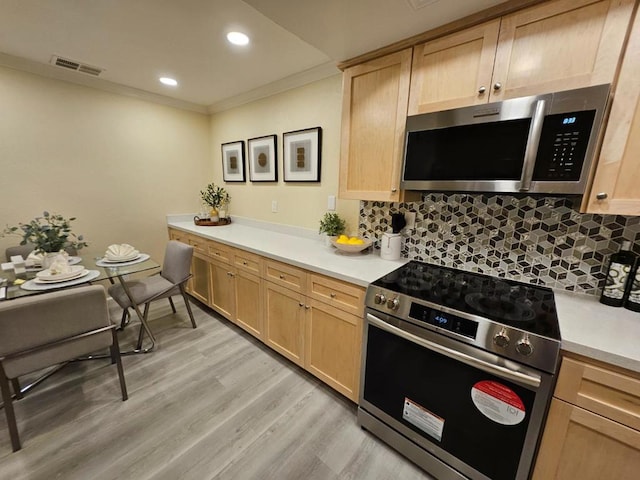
540,240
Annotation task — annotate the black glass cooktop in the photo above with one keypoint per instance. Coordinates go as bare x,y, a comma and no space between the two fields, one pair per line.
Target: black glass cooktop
520,305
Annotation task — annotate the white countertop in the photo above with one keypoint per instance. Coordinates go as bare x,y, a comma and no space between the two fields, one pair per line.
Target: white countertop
587,327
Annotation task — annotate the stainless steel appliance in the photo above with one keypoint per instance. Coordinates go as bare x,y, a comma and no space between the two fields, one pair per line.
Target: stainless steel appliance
458,369
538,144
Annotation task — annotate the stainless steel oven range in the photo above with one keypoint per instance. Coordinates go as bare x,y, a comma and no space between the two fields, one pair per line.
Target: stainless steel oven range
458,370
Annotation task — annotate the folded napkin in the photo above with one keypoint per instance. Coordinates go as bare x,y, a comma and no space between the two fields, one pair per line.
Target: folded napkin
60,265
121,251
36,258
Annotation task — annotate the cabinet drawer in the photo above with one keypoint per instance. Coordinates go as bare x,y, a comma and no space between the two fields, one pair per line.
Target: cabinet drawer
342,295
199,244
220,252
611,394
290,277
248,262
178,236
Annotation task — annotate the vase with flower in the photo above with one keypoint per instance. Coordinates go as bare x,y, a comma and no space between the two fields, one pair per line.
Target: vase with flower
50,235
217,199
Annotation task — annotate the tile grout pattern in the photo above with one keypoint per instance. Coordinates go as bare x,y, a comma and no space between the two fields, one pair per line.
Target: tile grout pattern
539,240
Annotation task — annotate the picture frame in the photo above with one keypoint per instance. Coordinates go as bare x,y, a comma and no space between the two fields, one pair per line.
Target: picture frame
302,151
233,161
263,159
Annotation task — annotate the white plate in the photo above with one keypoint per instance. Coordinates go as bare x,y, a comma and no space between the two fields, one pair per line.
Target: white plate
122,259
78,275
46,275
143,257
33,286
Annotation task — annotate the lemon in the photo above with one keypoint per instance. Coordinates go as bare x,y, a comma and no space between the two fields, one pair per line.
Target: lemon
342,239
354,241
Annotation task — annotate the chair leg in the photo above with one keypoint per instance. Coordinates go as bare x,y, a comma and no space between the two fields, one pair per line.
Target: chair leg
17,390
124,321
173,307
115,355
145,314
186,302
8,409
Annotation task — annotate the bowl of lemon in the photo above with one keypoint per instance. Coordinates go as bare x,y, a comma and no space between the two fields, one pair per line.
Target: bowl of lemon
351,244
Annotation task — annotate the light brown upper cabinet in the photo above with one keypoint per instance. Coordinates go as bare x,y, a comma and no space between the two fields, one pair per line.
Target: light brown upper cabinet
615,187
374,112
553,46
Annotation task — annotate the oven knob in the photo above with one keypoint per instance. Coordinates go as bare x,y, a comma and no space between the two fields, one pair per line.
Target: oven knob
524,347
393,303
379,299
501,339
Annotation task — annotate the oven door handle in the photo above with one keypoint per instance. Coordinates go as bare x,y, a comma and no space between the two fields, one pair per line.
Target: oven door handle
533,381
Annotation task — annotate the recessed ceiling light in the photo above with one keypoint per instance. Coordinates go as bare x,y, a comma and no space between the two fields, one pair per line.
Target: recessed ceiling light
237,38
168,81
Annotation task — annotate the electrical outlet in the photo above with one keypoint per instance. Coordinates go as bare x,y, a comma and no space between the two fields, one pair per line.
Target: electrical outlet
274,206
410,218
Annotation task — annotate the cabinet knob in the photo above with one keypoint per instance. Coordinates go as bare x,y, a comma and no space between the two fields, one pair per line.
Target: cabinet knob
301,304
482,89
601,196
307,307
281,277
497,86
332,295
244,263
394,190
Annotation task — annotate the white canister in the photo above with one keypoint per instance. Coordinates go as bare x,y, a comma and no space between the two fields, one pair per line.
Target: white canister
390,246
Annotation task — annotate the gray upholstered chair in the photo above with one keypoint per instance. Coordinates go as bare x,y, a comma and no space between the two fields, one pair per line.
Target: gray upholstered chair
44,330
176,271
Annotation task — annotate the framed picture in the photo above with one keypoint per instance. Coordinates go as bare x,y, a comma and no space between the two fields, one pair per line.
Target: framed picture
301,157
263,161
233,162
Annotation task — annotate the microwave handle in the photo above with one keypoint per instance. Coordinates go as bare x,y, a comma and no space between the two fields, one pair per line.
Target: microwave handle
532,146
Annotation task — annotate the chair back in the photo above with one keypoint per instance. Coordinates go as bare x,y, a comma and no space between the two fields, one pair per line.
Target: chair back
22,250
39,320
177,262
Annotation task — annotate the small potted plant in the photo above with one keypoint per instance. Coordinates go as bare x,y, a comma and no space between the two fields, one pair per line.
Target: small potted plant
332,225
217,198
49,234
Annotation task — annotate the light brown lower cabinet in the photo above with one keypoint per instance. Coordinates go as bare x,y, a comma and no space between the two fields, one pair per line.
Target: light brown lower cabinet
313,320
591,431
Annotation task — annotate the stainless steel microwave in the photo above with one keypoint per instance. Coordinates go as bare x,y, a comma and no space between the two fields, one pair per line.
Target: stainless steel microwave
538,144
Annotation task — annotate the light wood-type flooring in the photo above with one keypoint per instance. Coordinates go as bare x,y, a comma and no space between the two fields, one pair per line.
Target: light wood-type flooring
209,403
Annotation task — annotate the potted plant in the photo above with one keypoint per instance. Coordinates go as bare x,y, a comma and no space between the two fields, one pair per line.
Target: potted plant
332,225
50,234
217,198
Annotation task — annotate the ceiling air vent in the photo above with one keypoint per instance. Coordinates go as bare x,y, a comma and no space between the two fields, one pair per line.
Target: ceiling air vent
418,4
77,66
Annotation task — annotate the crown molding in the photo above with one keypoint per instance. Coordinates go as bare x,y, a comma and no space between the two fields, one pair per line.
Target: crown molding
58,73
311,75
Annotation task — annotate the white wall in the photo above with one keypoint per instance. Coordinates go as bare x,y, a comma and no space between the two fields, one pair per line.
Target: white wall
300,204
116,163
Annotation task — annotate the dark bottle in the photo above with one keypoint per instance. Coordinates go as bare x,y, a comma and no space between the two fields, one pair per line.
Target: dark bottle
632,302
618,275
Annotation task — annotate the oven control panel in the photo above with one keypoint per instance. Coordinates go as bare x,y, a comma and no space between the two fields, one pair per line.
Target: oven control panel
447,321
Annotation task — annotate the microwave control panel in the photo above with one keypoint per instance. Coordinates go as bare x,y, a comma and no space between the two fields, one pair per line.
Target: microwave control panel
563,146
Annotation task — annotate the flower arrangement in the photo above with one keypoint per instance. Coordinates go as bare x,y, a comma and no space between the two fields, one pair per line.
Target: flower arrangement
215,196
49,233
332,224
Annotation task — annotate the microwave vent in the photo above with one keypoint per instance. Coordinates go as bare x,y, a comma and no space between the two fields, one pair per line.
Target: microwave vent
76,66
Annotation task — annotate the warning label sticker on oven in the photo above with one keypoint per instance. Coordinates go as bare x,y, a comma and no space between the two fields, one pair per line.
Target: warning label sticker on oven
498,402
423,419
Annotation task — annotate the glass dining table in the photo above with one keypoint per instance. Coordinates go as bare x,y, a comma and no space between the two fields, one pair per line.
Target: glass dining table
14,285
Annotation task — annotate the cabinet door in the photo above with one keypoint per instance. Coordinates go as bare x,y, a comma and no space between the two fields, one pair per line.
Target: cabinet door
198,285
284,319
453,71
615,187
578,444
248,297
333,345
559,46
374,111
222,289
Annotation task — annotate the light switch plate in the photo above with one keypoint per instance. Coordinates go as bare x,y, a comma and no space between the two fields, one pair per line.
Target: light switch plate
331,203
274,206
